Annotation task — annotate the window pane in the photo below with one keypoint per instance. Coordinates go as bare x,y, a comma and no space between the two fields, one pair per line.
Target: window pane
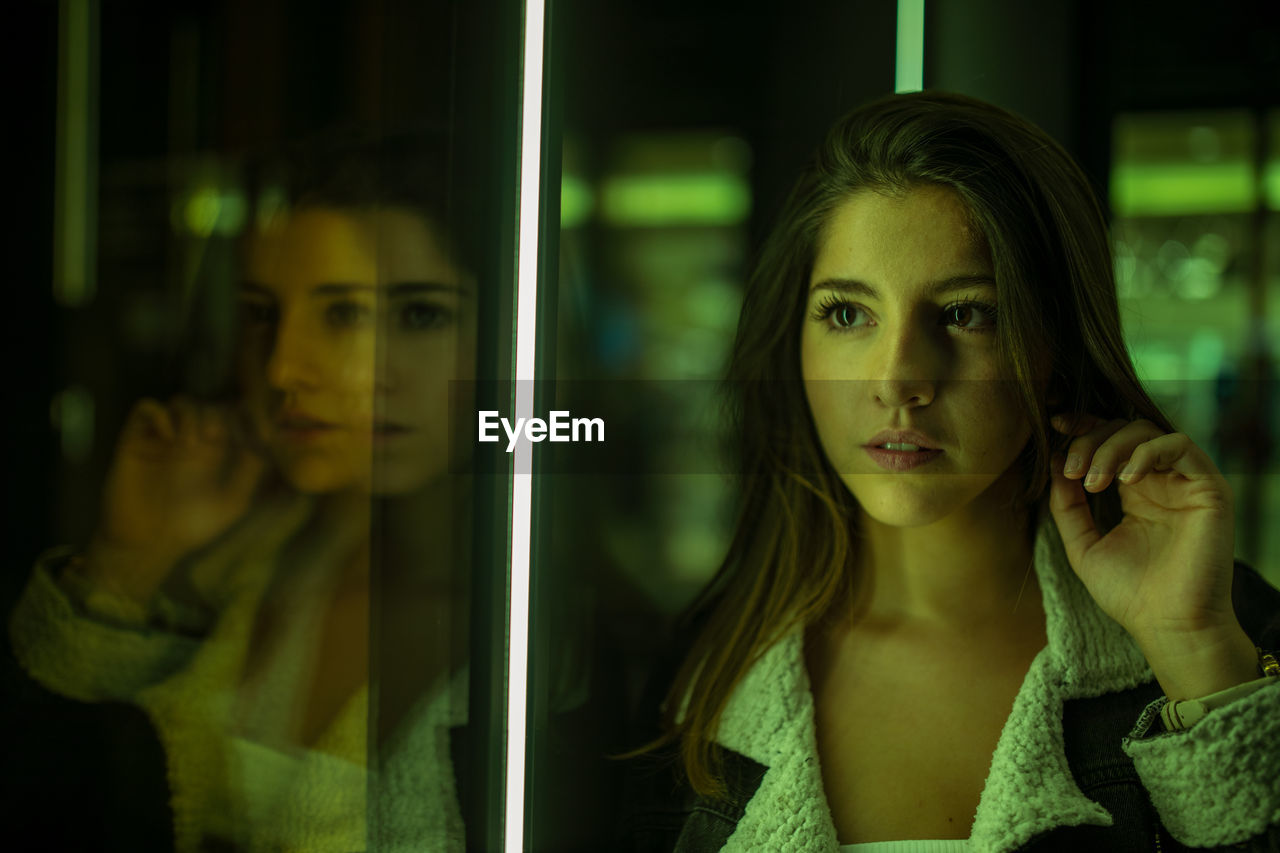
242,609
682,127
1192,218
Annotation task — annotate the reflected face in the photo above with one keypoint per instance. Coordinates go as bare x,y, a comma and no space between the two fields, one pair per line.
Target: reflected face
900,335
354,322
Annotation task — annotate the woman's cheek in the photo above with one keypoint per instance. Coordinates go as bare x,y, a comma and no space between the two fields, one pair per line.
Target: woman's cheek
830,418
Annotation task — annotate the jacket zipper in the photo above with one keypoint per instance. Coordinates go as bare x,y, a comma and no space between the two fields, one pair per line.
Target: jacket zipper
1158,848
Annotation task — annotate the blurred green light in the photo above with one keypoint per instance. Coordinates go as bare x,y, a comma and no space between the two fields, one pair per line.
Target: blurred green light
208,211
576,201
202,212
1167,189
1271,184
689,198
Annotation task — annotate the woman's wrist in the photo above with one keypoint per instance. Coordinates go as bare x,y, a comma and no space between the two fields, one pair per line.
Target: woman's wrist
1194,665
130,573
1185,713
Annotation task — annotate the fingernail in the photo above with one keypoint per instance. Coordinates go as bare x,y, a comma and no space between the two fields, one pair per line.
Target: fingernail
1126,473
1092,477
1073,464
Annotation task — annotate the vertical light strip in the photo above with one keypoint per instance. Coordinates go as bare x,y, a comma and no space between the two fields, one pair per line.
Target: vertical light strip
75,171
909,64
522,484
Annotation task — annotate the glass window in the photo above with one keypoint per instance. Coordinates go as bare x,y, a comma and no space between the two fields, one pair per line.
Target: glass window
677,129
263,605
1194,215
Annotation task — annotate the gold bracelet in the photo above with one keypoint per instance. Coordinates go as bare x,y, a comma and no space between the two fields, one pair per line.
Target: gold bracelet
1267,664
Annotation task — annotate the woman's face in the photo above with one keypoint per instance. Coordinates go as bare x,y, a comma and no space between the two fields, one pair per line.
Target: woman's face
354,323
900,336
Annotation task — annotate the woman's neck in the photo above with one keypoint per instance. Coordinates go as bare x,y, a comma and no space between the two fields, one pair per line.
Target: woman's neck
973,567
420,535
423,539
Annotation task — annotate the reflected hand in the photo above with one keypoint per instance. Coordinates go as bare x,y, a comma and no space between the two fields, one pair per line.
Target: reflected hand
182,474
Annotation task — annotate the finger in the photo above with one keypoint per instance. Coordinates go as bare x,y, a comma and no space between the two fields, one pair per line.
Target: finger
212,423
241,444
1070,509
1108,458
203,425
1169,452
186,419
1081,449
150,419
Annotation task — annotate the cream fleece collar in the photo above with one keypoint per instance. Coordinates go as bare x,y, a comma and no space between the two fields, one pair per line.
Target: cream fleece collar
1029,788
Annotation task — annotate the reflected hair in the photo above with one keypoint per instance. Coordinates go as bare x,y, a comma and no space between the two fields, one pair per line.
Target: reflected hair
367,168
350,168
792,558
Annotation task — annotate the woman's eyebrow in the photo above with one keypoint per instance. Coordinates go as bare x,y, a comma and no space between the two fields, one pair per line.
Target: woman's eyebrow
339,289
401,288
946,285
411,288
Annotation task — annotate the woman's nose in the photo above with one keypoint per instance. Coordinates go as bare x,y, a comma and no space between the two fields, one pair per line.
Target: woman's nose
908,369
292,363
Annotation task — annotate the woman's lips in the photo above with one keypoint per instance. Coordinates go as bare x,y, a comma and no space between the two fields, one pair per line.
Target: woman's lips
386,431
300,427
901,460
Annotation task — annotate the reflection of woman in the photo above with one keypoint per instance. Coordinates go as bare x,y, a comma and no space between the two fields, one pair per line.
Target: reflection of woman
227,588
919,632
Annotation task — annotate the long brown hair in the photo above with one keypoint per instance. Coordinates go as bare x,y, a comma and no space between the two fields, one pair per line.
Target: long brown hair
791,557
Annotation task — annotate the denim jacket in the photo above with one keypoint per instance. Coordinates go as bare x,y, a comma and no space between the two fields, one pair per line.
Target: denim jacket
1078,765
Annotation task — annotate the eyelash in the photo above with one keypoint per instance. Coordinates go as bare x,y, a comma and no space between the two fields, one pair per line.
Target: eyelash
440,316
832,304
347,314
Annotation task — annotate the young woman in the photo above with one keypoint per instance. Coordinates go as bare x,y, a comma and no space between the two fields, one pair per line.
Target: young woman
980,591
242,546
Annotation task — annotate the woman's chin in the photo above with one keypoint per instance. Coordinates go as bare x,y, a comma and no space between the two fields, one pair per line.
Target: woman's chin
915,501
314,480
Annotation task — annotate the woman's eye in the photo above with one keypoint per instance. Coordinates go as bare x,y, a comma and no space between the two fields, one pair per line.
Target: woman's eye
970,316
257,314
420,316
841,315
345,314
844,317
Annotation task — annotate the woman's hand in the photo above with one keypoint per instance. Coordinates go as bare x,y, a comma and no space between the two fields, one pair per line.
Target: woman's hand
182,473
1164,572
